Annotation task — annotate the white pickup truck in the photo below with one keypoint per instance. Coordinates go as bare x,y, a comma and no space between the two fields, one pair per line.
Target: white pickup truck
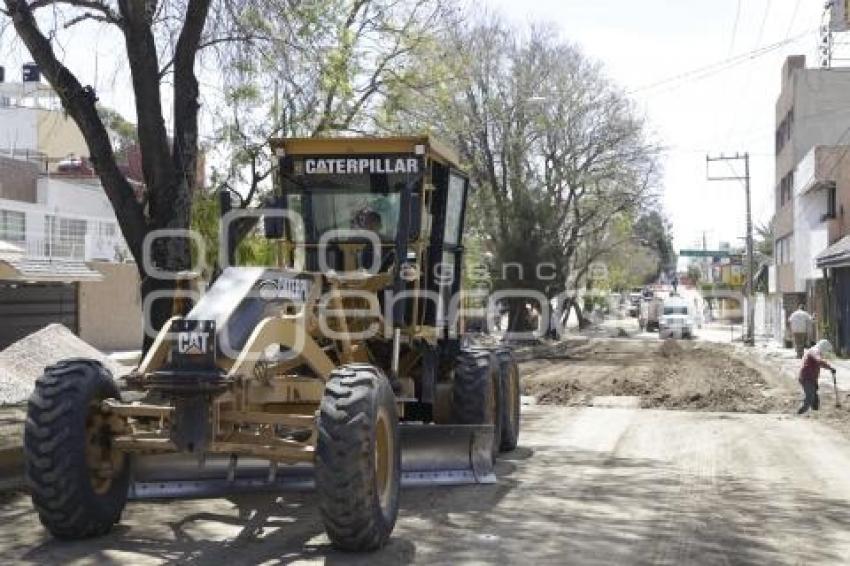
676,318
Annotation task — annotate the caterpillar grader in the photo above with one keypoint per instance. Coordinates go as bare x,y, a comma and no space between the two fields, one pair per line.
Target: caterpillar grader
344,368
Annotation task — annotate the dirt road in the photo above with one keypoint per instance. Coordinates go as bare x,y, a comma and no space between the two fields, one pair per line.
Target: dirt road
589,485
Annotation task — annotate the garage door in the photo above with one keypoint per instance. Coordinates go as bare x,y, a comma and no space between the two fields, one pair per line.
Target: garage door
27,307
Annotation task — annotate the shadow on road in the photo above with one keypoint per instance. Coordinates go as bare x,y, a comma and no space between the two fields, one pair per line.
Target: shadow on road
553,504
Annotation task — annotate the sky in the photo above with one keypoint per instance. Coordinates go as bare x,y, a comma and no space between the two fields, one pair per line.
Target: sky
642,45
647,42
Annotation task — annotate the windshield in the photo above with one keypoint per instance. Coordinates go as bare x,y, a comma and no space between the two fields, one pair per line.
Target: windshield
675,310
348,202
333,210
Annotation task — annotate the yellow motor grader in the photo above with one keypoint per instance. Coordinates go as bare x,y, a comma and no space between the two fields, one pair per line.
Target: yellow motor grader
344,368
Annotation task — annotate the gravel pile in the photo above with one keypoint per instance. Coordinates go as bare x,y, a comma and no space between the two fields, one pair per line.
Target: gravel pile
22,362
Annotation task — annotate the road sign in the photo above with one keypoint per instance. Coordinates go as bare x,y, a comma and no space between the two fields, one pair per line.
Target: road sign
703,253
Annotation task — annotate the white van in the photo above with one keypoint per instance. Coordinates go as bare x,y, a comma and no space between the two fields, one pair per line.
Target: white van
676,318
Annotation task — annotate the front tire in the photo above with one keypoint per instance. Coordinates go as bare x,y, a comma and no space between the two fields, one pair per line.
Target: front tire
77,481
358,458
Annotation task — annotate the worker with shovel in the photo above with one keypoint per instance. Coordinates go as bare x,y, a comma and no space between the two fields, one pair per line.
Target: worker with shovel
813,360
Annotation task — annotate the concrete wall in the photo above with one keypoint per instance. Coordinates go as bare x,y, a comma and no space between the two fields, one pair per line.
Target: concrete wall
111,310
810,237
821,112
783,221
785,278
832,165
18,179
75,197
18,129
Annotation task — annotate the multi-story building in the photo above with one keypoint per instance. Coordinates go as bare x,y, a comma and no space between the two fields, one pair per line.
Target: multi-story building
57,228
824,203
813,109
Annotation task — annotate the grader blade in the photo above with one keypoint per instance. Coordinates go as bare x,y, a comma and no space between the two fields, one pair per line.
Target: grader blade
446,454
431,455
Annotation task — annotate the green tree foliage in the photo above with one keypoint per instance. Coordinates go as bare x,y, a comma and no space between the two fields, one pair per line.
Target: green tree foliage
764,239
653,229
325,67
555,150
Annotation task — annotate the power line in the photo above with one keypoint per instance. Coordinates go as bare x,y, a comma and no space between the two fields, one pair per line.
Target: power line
763,21
749,76
719,66
735,27
793,17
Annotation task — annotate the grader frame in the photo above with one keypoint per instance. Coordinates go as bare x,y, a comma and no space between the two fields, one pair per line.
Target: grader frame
268,353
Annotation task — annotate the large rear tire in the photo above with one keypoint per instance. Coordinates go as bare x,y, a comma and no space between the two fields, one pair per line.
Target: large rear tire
510,395
77,481
358,458
476,392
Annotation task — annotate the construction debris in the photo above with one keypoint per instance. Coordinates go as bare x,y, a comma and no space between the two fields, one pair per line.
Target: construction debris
25,360
665,374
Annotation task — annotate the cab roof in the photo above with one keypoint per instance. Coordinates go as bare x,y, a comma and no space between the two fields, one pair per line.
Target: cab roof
418,145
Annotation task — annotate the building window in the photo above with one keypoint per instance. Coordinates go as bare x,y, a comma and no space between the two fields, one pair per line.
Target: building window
783,250
13,226
783,132
786,189
65,237
106,229
830,202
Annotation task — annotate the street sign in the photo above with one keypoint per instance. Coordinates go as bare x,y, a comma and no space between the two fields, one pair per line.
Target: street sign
703,253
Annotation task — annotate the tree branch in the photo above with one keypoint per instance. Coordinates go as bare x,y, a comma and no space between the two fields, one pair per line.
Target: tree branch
186,92
86,16
108,14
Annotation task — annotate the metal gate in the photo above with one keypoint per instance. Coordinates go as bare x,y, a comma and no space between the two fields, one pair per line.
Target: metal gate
27,307
841,288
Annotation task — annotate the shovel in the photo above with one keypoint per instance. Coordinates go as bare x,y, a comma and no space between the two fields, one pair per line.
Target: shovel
835,386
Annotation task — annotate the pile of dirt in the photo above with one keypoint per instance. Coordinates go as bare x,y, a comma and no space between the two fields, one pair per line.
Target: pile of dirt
25,360
667,374
670,349
560,394
712,380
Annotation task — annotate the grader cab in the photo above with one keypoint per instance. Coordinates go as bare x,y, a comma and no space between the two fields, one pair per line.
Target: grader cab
342,368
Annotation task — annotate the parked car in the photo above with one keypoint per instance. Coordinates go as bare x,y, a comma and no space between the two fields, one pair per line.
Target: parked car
677,318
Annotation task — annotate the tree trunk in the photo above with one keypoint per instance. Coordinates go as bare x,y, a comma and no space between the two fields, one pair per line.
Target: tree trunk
572,303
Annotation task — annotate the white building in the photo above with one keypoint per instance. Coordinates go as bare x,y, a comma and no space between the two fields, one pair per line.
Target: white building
70,220
61,249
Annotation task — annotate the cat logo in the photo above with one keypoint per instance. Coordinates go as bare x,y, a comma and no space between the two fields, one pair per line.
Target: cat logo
192,342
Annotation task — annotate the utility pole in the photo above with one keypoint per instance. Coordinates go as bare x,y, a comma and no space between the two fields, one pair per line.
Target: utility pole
745,157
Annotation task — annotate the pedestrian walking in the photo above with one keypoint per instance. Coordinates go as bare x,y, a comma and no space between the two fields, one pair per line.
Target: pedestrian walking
800,321
813,360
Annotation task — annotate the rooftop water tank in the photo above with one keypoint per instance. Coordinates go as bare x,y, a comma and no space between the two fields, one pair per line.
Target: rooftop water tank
31,73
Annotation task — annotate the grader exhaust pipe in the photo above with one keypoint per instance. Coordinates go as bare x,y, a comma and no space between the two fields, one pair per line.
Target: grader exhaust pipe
431,455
